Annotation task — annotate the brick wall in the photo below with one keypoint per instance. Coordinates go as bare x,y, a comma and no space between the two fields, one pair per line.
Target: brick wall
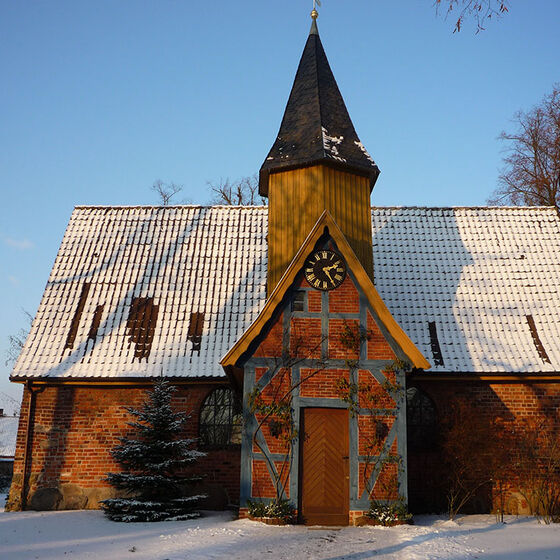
73,431
509,403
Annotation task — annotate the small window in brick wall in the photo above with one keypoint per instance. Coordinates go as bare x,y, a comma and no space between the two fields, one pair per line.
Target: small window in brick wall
220,419
421,420
298,303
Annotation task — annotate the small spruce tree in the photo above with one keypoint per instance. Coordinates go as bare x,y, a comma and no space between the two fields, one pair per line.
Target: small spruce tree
153,458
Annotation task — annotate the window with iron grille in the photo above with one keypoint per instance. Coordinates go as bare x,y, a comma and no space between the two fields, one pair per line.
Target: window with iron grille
220,419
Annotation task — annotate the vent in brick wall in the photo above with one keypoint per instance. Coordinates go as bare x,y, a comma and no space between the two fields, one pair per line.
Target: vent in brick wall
141,325
434,343
96,321
537,341
194,333
77,316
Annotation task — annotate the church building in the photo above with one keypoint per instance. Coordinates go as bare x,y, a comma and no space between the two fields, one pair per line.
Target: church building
317,342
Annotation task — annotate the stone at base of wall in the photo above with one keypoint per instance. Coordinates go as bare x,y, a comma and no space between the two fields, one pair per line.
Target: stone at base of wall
68,496
355,517
515,504
72,496
64,496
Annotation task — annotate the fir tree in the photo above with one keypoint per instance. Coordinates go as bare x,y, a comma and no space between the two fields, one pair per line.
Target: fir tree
153,481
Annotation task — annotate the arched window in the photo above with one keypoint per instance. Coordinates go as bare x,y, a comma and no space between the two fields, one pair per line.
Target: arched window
220,419
421,420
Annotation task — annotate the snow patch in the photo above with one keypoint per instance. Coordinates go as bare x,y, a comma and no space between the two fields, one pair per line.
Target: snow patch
364,151
84,535
330,144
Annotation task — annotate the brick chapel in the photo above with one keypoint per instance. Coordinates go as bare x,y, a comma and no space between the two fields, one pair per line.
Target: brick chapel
361,323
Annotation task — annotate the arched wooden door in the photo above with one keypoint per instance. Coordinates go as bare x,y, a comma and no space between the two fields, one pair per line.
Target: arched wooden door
324,481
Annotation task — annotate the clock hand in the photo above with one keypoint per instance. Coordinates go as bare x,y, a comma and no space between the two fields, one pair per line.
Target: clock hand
326,270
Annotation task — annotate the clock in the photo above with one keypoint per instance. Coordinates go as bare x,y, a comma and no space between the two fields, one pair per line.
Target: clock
325,270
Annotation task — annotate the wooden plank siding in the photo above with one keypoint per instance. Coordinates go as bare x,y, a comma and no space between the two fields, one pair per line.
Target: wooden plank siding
298,197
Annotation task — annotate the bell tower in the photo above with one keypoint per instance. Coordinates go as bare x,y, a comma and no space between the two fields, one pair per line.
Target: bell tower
316,163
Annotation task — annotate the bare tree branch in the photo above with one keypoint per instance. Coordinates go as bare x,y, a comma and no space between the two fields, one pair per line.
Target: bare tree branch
166,191
16,341
531,174
242,192
478,10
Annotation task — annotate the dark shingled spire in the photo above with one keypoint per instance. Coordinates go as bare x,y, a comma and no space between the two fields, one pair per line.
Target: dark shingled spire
316,127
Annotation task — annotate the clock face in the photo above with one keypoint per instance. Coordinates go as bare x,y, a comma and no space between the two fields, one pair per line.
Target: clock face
325,270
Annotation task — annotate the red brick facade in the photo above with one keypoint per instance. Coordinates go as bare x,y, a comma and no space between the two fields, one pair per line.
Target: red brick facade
74,428
510,403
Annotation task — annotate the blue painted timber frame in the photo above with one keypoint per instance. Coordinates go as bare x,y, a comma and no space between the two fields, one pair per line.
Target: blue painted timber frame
376,367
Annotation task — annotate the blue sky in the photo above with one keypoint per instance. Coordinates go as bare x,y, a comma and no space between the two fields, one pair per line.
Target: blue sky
98,99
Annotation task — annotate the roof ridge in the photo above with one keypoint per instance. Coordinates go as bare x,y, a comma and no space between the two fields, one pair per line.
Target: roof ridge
162,207
480,207
317,82
264,206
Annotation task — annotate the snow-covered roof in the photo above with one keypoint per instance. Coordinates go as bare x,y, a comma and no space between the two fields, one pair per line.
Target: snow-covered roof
476,289
8,435
9,405
481,276
189,259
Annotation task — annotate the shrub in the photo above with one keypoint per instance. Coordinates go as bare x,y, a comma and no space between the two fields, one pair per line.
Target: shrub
277,508
389,514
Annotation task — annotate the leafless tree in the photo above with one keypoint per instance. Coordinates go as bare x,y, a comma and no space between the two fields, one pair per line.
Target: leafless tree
166,191
16,341
479,10
531,175
242,192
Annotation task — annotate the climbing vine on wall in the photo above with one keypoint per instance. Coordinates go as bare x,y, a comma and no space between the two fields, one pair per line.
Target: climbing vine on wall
365,399
273,408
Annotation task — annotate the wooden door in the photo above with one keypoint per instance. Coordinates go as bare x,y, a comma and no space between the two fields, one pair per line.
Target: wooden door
324,494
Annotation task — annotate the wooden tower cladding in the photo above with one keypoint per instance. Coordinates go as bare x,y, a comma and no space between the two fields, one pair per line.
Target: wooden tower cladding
298,197
316,163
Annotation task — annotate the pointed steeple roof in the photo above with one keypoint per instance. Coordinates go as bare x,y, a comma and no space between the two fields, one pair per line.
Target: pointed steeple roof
316,127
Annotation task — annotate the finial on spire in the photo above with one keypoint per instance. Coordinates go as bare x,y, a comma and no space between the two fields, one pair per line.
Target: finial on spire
314,16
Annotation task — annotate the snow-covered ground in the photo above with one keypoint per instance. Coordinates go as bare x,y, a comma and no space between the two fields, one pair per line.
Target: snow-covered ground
87,534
